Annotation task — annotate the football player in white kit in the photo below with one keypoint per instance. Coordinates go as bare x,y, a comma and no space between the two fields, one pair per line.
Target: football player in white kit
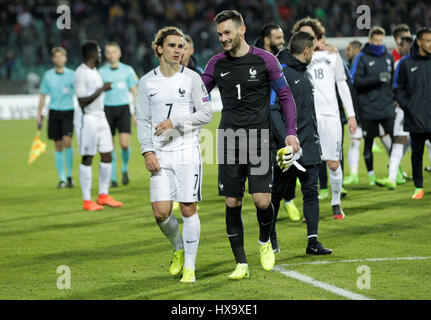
172,105
92,129
327,70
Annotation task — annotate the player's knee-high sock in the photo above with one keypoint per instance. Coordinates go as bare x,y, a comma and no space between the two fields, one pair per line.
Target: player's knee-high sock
59,164
169,228
85,180
353,155
275,208
428,144
336,179
104,177
191,233
368,154
235,233
406,146
394,161
387,142
125,155
265,218
310,208
69,161
114,167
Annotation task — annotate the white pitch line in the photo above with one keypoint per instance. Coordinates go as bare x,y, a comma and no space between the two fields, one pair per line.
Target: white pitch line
356,260
319,284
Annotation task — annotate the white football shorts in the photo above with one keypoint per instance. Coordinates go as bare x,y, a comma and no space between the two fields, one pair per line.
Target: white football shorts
180,176
329,129
93,134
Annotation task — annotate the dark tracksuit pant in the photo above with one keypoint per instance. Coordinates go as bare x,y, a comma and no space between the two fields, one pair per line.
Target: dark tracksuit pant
418,145
286,183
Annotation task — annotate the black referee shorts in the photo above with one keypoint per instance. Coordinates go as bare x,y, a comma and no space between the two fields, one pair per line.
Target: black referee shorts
118,117
370,128
60,123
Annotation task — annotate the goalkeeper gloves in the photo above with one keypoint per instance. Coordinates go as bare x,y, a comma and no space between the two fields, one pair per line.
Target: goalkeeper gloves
285,158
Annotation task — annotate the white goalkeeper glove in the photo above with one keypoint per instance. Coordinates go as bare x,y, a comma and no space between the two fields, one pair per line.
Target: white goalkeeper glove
285,158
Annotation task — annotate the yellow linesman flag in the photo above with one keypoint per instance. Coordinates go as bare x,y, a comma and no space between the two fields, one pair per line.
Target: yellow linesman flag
37,148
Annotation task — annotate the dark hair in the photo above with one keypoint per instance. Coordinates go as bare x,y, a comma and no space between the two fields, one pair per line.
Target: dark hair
267,28
88,49
409,40
227,15
300,41
356,44
189,40
316,25
422,31
376,31
400,28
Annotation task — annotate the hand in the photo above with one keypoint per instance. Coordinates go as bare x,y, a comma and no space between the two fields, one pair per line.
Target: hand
331,48
134,120
39,121
292,141
151,162
385,77
107,86
163,126
285,158
352,125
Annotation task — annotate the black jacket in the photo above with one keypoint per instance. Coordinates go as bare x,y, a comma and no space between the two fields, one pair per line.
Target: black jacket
412,86
375,97
193,65
302,89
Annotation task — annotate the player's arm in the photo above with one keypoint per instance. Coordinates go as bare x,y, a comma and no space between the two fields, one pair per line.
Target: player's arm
360,78
287,102
134,91
42,98
202,104
143,128
400,86
208,75
344,92
85,101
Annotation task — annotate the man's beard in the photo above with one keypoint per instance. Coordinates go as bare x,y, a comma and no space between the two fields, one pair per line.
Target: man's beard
274,49
236,43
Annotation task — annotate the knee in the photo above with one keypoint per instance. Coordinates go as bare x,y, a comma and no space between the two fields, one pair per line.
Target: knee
188,209
233,202
87,160
262,203
333,165
160,216
106,157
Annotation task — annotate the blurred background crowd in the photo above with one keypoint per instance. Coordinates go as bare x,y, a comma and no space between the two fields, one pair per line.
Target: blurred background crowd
28,29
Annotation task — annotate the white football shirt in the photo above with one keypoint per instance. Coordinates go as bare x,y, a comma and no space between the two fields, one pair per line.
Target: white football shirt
86,82
183,98
326,69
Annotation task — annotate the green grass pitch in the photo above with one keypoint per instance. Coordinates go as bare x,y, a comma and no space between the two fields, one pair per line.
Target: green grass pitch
121,253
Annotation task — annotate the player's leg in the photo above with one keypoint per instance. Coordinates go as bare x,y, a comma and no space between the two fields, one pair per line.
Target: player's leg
124,128
309,188
323,181
55,133
418,145
231,184
105,147
85,178
67,134
111,116
191,234
260,187
428,145
336,179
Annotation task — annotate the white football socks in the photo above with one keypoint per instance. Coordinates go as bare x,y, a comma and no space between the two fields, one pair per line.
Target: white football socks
191,234
336,180
170,229
353,155
104,177
428,144
394,161
387,142
85,179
